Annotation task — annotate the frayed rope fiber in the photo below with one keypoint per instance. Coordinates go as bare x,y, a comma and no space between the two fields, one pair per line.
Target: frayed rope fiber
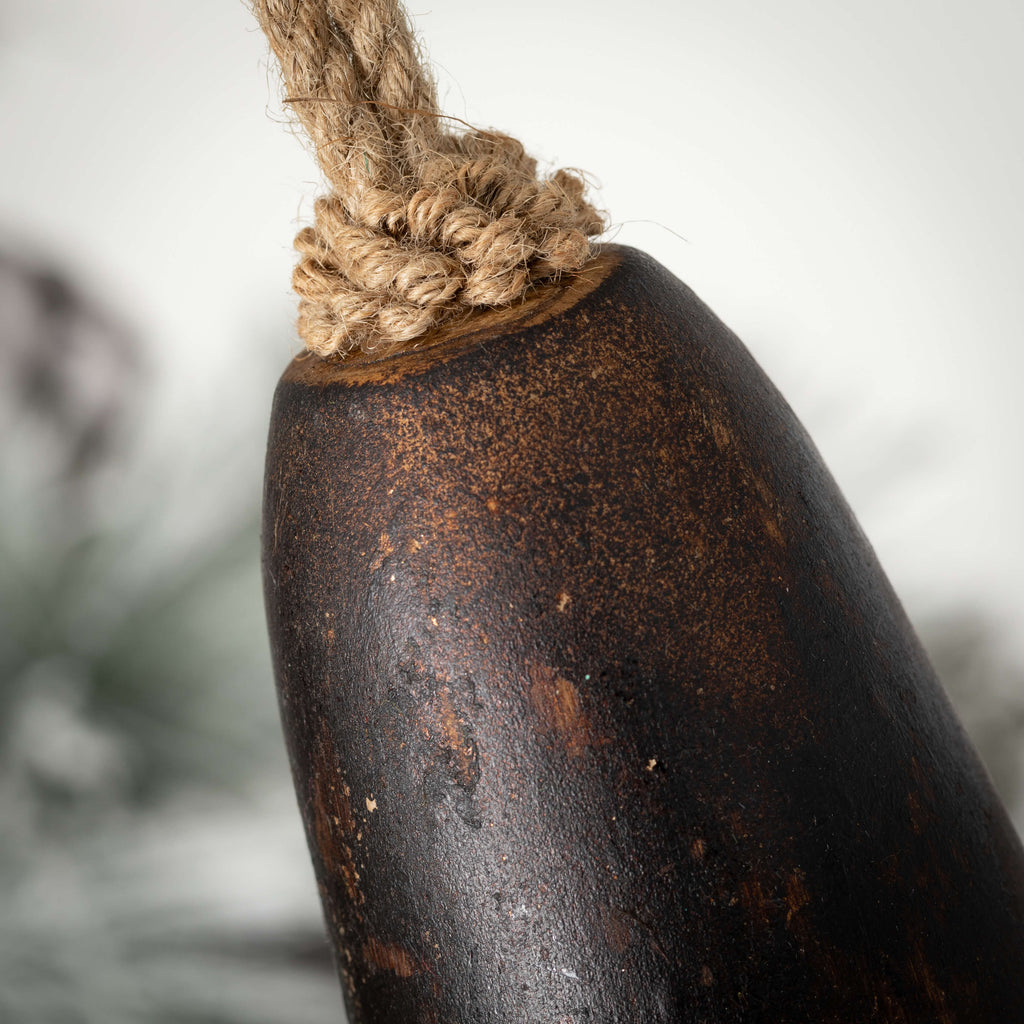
421,221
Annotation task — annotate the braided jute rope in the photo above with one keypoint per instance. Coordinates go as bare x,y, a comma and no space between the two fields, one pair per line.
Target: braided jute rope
421,221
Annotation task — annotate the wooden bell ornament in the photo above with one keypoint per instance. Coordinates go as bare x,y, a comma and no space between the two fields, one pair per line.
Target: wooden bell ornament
599,706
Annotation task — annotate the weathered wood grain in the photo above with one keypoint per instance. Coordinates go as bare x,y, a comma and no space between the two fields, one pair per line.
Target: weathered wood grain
599,706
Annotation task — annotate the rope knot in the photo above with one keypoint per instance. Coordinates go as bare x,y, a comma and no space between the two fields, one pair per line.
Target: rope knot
421,221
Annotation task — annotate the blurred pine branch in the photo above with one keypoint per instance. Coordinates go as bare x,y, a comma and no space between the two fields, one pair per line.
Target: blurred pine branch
152,866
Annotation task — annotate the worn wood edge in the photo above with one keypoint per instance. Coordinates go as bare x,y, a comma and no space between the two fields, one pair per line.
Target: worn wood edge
451,340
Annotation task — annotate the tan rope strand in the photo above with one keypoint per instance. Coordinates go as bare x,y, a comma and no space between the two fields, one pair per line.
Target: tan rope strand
422,219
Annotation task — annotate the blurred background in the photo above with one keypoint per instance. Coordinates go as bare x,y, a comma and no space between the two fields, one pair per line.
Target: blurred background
839,182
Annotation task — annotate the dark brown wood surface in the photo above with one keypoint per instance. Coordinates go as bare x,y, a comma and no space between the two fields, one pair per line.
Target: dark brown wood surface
599,706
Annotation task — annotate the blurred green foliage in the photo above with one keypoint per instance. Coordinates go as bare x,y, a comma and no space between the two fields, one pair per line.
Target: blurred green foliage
152,867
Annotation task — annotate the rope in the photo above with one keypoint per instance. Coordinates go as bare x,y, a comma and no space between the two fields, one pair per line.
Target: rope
422,221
